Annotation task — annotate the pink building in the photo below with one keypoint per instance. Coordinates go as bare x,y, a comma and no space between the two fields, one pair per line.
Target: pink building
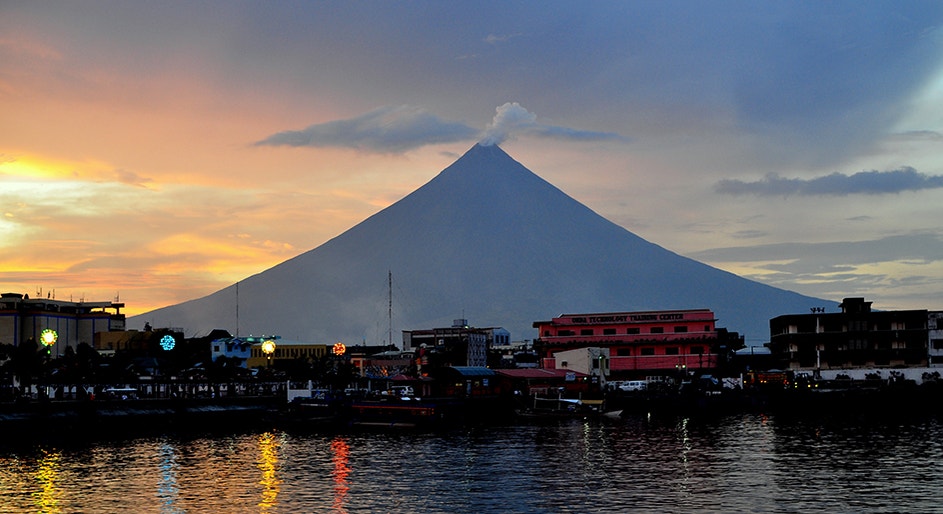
641,344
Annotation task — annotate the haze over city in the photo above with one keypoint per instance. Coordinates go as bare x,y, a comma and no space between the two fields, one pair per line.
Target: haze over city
159,152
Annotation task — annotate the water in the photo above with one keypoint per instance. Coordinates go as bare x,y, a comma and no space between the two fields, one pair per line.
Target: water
738,463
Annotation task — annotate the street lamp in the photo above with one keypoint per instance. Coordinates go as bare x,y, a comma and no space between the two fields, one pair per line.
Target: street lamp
48,337
268,348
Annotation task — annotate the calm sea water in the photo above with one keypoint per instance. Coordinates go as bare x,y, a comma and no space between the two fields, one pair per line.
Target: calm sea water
740,463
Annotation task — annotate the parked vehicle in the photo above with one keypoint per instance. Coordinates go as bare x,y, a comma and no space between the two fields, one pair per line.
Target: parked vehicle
633,385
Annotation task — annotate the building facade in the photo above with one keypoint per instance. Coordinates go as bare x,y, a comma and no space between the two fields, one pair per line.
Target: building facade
935,328
23,318
856,337
284,350
458,345
641,344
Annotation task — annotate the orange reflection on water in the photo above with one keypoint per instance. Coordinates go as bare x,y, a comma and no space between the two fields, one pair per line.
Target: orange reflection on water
47,500
341,454
268,464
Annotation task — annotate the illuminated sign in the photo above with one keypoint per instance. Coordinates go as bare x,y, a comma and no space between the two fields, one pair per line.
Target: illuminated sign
168,342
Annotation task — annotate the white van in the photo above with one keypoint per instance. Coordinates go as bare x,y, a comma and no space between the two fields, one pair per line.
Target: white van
633,385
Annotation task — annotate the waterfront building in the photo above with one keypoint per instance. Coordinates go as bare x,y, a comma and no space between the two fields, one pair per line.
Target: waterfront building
517,354
136,342
235,349
855,338
640,344
283,351
379,361
458,345
935,329
23,318
466,382
544,382
591,361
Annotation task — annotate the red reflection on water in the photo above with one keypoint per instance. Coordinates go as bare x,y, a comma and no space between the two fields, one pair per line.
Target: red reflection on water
341,453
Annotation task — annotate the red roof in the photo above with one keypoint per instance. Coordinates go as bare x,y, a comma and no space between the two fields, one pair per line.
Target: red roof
537,373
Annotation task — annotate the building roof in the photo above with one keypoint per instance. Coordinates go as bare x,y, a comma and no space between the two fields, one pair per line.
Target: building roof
474,371
538,373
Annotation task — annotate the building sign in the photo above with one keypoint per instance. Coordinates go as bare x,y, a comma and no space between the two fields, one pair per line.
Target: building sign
639,317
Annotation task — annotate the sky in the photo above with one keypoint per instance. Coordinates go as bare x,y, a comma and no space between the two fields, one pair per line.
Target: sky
156,152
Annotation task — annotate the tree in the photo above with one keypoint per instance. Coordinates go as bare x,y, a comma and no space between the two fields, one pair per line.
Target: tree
27,363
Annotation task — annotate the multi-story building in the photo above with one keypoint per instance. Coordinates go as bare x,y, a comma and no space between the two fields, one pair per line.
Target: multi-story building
640,344
856,337
458,345
935,327
66,323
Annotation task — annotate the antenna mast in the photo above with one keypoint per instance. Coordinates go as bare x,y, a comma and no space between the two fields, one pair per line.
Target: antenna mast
390,304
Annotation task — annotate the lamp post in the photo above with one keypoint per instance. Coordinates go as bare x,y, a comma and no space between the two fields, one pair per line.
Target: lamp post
268,348
48,337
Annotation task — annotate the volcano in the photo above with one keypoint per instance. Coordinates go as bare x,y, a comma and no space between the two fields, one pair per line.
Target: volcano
485,240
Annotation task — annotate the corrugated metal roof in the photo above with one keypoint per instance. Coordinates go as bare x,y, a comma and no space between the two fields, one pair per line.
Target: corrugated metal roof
538,373
473,371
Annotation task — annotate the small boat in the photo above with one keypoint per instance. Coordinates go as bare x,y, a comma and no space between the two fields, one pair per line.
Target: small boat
560,408
396,412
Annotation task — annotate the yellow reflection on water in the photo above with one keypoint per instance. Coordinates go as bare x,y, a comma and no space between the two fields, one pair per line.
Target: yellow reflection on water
47,499
268,465
340,452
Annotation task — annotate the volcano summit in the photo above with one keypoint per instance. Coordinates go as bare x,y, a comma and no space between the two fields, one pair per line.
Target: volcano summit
486,240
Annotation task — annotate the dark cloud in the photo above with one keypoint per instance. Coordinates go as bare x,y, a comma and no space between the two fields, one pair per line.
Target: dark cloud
923,247
918,135
835,184
839,269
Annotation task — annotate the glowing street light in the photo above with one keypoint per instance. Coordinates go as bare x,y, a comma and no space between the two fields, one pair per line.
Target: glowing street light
268,348
48,337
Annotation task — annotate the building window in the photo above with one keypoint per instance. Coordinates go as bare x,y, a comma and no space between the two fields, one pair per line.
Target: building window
633,330
857,326
697,350
586,332
566,333
658,330
623,352
680,329
671,350
707,328
937,344
647,351
608,331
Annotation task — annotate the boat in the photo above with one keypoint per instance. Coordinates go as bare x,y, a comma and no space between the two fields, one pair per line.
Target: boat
550,408
394,411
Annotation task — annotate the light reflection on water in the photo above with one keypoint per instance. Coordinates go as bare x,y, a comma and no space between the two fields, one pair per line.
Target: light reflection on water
268,466
340,452
742,463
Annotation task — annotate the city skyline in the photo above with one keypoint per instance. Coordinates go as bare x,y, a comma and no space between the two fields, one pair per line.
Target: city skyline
161,152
